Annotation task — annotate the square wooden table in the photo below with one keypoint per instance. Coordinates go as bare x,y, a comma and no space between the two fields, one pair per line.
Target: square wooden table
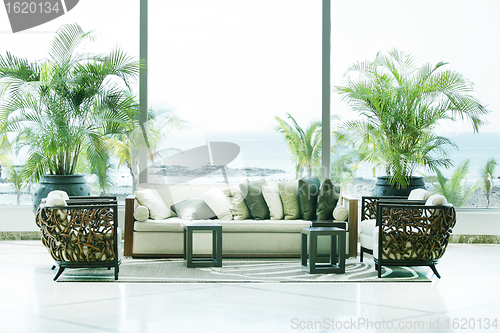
216,259
336,263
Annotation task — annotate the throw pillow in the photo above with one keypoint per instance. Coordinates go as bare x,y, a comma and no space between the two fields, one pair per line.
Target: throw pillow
328,197
271,194
419,194
436,200
216,200
255,200
237,204
308,197
60,193
151,198
289,194
141,213
193,209
340,213
56,198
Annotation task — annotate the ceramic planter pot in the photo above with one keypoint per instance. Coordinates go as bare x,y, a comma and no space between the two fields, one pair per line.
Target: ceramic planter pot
74,185
384,188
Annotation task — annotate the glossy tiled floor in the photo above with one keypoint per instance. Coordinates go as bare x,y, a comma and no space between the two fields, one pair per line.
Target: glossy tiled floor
467,296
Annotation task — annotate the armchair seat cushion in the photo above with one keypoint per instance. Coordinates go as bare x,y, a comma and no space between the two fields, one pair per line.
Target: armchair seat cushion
366,227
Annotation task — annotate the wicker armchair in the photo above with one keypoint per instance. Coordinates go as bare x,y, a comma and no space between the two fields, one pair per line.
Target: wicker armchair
82,234
413,234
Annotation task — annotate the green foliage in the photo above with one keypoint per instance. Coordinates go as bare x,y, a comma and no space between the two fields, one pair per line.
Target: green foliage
17,178
399,106
487,176
454,188
126,145
304,145
64,108
343,166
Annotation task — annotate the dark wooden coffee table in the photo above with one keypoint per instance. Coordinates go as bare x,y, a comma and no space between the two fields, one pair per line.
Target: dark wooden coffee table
336,264
216,259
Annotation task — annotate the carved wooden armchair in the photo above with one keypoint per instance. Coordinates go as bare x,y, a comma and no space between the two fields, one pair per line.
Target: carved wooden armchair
82,234
414,234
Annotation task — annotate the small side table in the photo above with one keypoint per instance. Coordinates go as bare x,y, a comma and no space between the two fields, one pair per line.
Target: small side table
216,259
337,257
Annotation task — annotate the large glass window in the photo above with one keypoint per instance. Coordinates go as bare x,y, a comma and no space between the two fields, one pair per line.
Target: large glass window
461,33
115,23
228,68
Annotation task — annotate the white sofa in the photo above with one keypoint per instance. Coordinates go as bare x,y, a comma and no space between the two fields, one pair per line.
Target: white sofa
241,238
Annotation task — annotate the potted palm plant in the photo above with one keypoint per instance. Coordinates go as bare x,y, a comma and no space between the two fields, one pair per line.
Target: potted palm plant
399,105
63,109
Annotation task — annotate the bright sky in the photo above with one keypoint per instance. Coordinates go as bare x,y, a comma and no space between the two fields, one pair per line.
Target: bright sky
235,64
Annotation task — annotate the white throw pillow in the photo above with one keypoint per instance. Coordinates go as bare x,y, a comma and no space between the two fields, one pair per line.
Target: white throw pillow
152,200
56,198
216,200
271,193
417,194
436,200
340,213
141,213
62,194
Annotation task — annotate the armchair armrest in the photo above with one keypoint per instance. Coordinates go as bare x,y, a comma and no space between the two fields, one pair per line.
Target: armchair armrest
129,225
369,204
352,207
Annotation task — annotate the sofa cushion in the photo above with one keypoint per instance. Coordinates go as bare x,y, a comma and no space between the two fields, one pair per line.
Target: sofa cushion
436,200
271,194
150,198
289,193
173,224
308,197
328,197
419,194
366,227
216,200
193,209
275,226
141,213
237,204
340,213
255,200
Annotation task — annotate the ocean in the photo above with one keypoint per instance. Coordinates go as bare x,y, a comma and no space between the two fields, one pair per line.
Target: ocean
268,149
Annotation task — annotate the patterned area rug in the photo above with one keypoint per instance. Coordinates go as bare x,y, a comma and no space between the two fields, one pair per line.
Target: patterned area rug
238,271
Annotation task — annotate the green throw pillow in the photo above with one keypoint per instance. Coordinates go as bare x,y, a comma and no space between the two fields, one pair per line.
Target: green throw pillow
237,204
308,197
255,200
289,194
328,197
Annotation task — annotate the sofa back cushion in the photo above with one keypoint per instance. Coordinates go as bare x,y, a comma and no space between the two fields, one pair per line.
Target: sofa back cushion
150,198
328,197
193,209
252,191
237,204
289,193
271,194
308,197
